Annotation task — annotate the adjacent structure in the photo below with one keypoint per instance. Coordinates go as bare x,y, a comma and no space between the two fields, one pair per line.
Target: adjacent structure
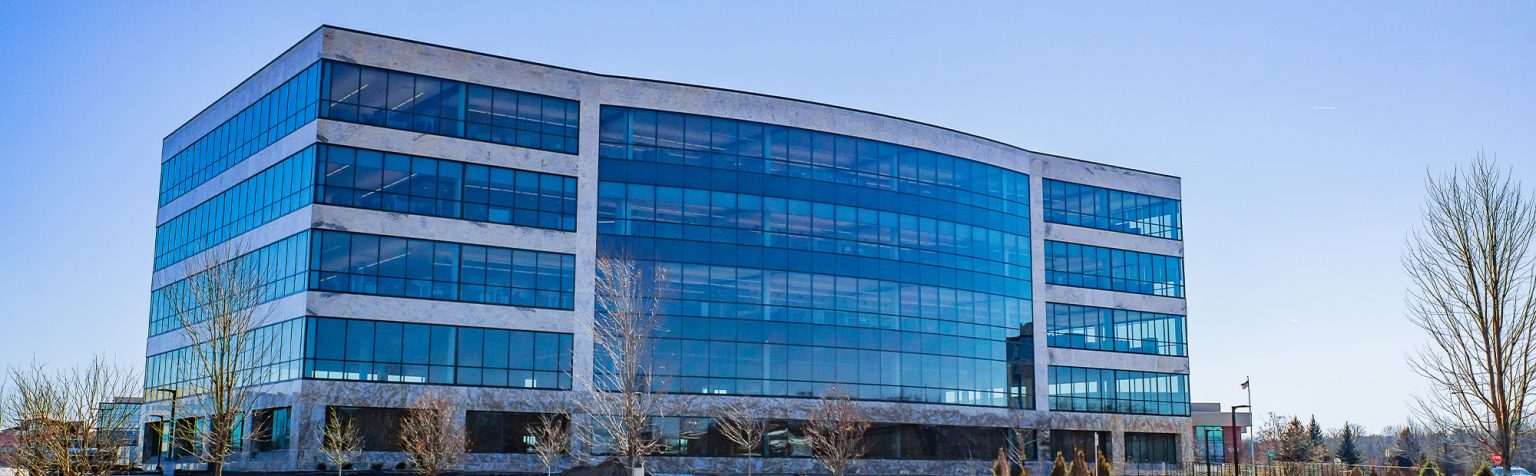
428,218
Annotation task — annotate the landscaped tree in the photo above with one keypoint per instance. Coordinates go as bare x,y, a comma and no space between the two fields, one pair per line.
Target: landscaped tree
1291,442
56,414
219,310
743,425
1348,452
340,442
1059,466
1104,468
1000,465
430,434
551,439
1080,464
622,403
1474,295
1315,434
1407,450
835,431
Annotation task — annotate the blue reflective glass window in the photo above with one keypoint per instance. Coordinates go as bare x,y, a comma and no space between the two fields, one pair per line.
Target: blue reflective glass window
406,101
260,124
1109,209
403,267
1073,264
832,241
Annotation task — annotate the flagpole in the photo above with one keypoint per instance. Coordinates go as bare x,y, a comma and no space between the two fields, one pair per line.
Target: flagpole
1248,385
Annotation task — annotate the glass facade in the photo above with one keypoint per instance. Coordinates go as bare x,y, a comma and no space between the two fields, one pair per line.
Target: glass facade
176,370
426,269
418,103
1085,266
379,351
423,186
1077,389
281,265
270,118
1069,442
1151,448
1114,210
272,193
1115,330
504,432
345,176
1210,445
276,428
799,260
702,436
795,261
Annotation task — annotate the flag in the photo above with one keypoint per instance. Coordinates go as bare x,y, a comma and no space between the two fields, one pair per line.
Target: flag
1245,384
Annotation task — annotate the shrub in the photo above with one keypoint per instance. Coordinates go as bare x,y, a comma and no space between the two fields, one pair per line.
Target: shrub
1000,466
1484,471
1429,469
320,466
1104,468
1080,464
1059,467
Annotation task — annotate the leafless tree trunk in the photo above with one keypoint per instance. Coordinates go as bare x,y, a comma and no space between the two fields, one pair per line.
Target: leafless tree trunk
341,442
61,426
622,401
1474,294
218,311
835,431
551,439
431,435
742,423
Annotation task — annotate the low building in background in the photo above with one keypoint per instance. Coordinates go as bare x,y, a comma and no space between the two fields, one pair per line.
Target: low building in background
1218,435
121,420
429,218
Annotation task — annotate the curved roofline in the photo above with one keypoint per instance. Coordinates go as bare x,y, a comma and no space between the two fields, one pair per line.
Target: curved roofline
659,81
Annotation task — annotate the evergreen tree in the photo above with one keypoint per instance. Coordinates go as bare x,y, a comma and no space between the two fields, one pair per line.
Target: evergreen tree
1059,467
1314,432
1348,452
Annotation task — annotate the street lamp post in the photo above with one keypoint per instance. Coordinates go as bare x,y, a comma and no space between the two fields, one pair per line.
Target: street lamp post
1208,450
1237,450
159,451
171,470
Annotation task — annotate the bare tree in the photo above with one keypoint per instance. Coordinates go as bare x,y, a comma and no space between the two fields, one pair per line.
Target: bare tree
551,439
1022,440
61,427
742,423
218,309
340,442
431,435
621,403
835,431
1474,294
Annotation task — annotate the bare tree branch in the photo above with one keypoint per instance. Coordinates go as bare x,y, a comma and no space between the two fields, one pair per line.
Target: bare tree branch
742,423
551,439
61,426
835,431
431,435
621,403
1474,295
218,307
340,441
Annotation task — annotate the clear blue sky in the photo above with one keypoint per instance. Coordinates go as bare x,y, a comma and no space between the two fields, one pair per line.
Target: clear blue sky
1302,131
